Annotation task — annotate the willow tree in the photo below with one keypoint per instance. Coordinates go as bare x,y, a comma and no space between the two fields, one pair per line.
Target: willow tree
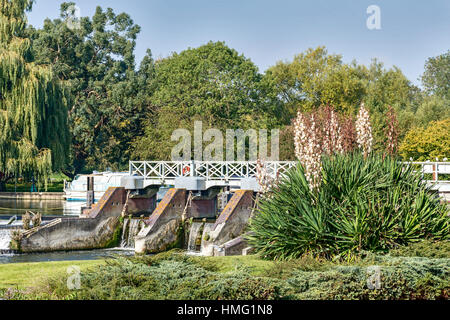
33,107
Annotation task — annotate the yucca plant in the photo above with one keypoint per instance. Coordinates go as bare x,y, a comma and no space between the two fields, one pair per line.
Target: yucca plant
373,203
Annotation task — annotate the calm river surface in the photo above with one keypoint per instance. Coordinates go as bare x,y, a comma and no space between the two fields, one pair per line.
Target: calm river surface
11,207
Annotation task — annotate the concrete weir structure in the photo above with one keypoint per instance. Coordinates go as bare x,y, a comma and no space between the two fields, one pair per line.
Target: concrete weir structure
95,228
206,211
167,226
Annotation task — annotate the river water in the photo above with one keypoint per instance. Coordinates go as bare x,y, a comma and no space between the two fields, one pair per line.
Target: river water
9,207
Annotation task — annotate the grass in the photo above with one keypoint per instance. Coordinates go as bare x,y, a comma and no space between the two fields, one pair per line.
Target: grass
26,187
55,184
25,275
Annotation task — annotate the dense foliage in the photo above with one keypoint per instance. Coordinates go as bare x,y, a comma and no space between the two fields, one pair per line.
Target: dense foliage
177,276
370,204
119,111
34,136
428,143
107,93
213,84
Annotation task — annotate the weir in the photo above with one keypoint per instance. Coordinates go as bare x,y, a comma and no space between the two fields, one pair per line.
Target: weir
130,230
218,197
5,239
194,235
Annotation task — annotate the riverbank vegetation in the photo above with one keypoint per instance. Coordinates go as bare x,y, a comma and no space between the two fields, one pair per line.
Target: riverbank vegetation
406,273
25,275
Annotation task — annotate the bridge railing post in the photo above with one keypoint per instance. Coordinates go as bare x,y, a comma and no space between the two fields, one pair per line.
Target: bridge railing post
435,172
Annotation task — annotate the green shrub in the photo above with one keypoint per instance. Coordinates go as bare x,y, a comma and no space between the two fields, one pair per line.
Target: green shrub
168,276
429,249
400,279
372,204
175,276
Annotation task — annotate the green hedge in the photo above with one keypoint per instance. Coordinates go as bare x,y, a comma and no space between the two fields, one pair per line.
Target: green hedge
176,276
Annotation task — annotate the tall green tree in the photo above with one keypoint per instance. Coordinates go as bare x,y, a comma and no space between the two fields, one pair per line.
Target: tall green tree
108,101
212,83
33,112
384,88
436,78
313,79
316,78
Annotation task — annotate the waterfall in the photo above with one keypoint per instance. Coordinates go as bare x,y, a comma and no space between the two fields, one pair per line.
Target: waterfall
5,239
124,239
193,234
131,228
205,240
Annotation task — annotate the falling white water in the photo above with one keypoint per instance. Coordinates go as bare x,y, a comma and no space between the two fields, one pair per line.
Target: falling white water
5,238
130,229
206,243
193,234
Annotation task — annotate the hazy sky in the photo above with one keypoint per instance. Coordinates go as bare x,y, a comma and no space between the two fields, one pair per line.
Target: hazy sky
268,31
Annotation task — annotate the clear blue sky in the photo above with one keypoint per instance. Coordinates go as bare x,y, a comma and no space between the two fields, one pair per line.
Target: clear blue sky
268,31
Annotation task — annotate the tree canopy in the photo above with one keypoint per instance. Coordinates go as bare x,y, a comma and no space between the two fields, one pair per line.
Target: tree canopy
107,96
74,99
436,78
428,143
212,83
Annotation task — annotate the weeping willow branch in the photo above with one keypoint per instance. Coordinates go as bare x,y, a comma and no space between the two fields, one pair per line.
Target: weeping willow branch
34,135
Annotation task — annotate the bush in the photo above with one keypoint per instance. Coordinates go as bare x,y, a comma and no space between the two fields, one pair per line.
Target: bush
372,204
429,249
427,143
164,277
176,276
400,279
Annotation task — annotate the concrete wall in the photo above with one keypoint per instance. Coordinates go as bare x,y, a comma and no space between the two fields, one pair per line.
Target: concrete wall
96,229
162,228
231,222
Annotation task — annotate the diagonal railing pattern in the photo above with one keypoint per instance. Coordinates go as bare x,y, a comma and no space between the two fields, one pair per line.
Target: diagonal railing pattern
437,172
210,170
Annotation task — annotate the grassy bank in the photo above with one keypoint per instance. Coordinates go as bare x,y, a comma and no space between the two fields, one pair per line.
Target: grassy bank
25,275
419,271
55,184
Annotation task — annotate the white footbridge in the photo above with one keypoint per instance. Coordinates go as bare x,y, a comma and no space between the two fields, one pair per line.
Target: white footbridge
206,174
242,174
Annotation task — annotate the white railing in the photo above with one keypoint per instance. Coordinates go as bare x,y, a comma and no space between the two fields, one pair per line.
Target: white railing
433,168
210,170
235,170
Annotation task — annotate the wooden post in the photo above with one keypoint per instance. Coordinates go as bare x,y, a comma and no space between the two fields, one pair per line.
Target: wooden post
90,192
435,174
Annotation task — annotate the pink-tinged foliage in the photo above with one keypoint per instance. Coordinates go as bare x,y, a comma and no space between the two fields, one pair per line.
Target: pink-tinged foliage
364,131
266,181
391,132
315,134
